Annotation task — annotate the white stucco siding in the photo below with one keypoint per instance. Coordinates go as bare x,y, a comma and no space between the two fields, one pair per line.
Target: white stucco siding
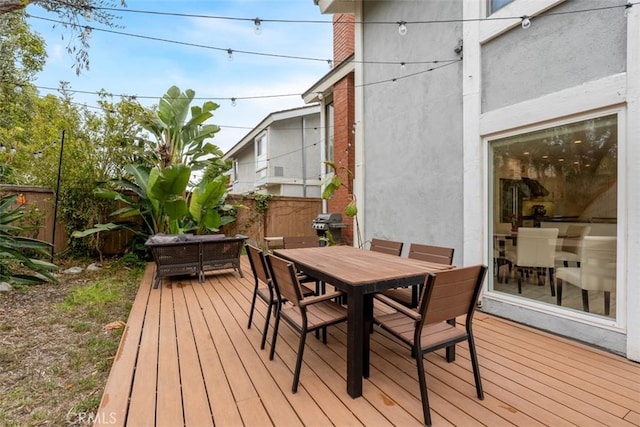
413,134
556,52
246,171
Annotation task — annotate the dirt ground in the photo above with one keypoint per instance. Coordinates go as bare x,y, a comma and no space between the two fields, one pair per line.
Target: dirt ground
57,342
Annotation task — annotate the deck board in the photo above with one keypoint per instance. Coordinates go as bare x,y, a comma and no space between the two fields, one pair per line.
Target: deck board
186,358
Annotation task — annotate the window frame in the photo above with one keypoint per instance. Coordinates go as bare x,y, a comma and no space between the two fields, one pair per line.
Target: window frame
618,323
261,149
496,23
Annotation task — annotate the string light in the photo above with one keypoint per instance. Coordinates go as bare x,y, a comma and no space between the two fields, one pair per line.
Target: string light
320,96
403,66
257,26
230,54
402,28
233,102
330,62
627,9
309,21
526,22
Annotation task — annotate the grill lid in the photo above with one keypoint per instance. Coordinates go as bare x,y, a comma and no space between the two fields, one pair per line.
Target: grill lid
325,221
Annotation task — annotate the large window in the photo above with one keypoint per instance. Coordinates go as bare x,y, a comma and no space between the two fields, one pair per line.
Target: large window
554,211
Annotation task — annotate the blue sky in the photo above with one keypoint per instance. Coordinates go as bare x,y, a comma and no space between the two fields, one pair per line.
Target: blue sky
128,65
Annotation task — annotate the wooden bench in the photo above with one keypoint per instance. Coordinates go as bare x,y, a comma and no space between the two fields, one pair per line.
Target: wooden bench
180,254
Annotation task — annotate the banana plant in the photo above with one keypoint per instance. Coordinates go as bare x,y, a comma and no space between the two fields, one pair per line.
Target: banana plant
207,205
180,140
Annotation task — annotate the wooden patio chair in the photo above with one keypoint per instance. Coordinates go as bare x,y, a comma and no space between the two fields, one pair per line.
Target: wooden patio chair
445,295
296,242
438,254
386,246
263,288
304,314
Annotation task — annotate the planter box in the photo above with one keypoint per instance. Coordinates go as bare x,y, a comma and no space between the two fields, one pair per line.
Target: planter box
182,254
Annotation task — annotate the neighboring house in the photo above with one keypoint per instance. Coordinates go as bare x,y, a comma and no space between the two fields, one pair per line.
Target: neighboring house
538,123
280,156
336,92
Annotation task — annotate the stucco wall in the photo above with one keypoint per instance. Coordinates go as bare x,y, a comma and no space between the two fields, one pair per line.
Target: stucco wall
286,149
246,170
552,54
412,128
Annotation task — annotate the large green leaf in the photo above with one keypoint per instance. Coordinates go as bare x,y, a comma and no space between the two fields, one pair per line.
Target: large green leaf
168,182
206,196
176,209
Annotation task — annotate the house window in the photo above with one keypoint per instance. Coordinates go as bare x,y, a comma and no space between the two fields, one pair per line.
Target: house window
235,170
330,134
494,5
261,155
564,178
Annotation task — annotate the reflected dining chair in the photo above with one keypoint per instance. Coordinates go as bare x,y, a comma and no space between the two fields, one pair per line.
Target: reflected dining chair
303,314
386,246
445,295
572,244
438,254
597,271
263,288
535,248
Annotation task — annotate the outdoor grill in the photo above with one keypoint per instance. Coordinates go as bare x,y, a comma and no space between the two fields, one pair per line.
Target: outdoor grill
329,222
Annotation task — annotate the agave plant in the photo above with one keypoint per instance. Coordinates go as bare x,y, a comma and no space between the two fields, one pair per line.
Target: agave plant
21,257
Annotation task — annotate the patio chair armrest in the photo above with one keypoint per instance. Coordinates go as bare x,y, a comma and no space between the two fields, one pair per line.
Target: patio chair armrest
319,298
398,307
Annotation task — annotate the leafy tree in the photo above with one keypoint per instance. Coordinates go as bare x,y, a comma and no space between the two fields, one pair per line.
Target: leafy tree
22,55
74,15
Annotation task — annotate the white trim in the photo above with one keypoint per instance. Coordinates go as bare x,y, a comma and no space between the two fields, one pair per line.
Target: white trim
592,95
492,28
474,198
558,311
358,185
630,194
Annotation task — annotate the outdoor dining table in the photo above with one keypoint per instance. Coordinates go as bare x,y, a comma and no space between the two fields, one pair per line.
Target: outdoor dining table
359,273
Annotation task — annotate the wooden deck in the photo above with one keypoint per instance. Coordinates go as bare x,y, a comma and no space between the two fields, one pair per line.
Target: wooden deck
187,358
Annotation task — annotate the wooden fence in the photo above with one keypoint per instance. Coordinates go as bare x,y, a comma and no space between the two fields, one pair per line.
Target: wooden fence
39,203
284,216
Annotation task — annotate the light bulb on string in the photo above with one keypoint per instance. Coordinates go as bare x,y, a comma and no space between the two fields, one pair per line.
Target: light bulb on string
233,102
403,66
627,9
330,62
320,96
526,22
230,54
394,80
402,28
257,26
